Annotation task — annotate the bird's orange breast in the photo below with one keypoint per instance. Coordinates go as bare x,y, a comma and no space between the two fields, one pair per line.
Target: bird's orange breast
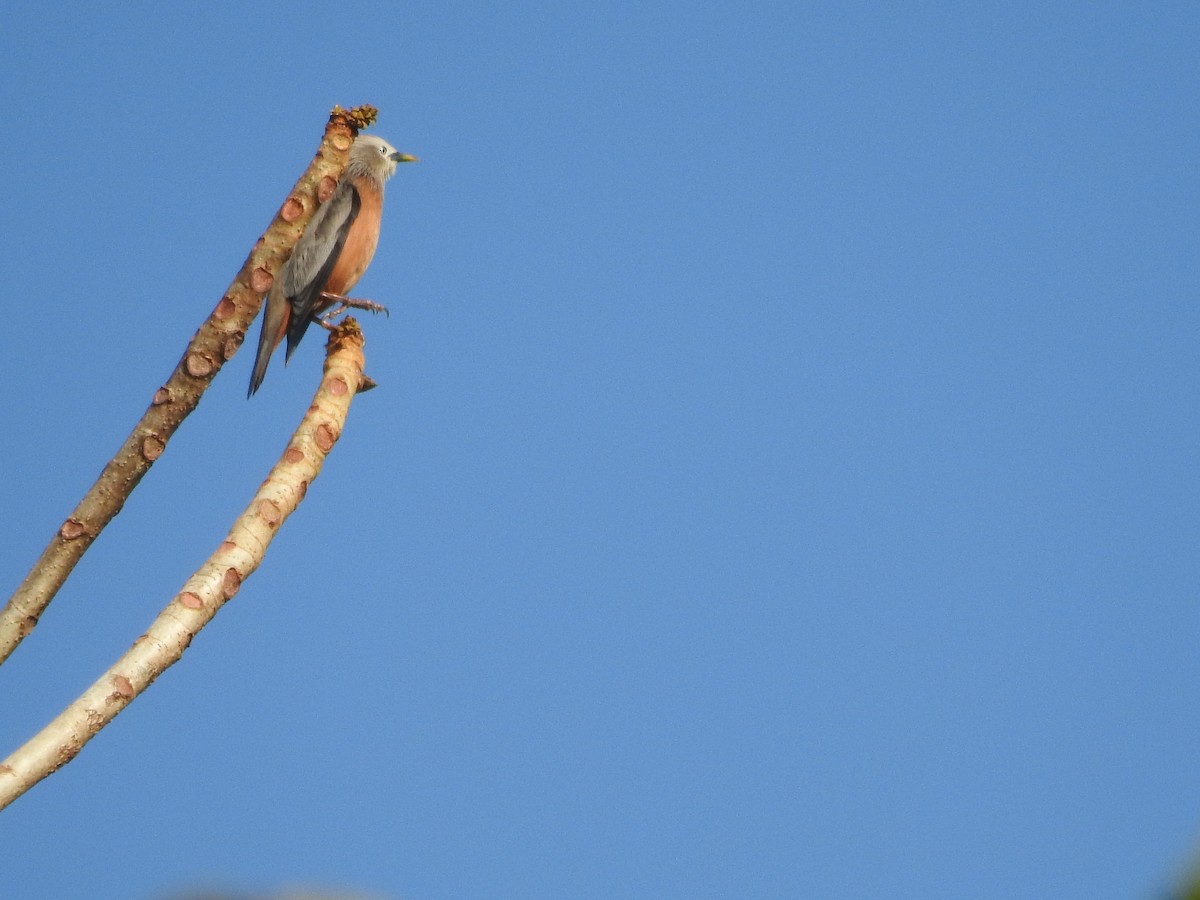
361,240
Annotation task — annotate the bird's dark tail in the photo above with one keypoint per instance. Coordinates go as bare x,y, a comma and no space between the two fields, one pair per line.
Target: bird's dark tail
274,325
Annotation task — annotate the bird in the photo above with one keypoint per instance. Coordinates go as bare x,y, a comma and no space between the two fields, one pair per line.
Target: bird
331,255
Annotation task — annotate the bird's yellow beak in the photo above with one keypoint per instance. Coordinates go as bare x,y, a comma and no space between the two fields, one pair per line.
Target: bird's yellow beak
404,157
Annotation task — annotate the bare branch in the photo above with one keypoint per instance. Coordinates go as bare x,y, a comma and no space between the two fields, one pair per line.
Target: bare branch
216,342
213,583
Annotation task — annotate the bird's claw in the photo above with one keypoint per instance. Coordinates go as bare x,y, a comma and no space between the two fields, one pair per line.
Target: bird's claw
345,303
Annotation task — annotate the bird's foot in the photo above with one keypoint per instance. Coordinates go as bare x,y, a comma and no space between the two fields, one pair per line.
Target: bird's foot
345,303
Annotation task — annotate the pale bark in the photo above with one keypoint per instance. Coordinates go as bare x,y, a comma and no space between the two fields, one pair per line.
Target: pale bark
217,340
211,586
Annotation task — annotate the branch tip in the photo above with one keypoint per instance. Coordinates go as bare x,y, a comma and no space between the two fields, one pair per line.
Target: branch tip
357,118
346,330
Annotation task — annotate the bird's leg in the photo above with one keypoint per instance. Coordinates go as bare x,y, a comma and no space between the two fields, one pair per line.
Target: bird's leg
320,320
323,318
344,303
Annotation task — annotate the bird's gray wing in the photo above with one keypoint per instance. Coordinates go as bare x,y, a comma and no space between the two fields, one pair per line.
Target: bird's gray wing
311,263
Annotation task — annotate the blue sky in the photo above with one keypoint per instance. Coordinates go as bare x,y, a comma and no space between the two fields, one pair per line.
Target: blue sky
782,481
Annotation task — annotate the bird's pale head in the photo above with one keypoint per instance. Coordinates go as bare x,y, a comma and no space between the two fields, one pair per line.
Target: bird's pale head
375,158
